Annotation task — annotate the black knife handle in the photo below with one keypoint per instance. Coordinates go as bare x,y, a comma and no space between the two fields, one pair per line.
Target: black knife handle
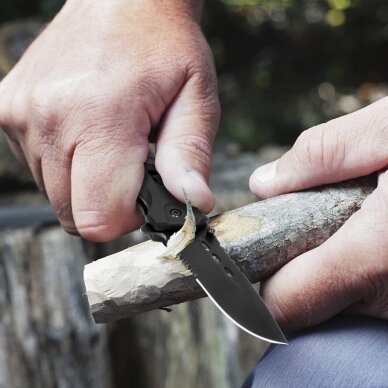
161,210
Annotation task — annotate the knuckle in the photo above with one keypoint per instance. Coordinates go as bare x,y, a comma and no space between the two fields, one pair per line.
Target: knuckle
63,212
305,148
55,111
206,83
197,148
143,84
375,282
44,107
211,111
62,208
101,116
320,147
283,308
110,145
69,228
95,226
47,111
374,287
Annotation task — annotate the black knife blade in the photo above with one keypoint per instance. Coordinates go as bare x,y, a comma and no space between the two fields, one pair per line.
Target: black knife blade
212,267
228,287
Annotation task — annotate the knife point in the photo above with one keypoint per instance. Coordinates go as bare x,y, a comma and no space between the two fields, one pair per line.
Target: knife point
277,337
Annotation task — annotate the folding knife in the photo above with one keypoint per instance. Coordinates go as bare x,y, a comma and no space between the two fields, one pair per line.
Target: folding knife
214,270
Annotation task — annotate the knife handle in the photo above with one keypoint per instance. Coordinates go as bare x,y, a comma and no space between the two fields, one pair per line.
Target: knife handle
161,210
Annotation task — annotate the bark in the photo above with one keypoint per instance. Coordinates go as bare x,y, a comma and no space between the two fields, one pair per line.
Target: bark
261,237
47,336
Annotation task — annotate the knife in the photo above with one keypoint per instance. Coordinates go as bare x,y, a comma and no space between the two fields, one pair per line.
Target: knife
213,269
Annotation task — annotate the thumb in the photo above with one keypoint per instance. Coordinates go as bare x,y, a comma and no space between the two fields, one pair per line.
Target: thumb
350,146
184,145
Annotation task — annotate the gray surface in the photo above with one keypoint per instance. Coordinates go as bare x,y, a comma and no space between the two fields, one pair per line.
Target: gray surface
15,217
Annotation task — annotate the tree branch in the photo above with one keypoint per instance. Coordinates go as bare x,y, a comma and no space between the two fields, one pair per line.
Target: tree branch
261,237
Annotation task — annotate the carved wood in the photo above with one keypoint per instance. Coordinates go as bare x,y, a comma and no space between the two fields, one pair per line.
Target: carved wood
261,237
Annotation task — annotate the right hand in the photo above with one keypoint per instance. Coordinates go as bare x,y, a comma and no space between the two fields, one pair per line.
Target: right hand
348,272
80,104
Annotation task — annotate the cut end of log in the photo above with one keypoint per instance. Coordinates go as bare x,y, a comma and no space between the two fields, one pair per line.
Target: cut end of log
121,279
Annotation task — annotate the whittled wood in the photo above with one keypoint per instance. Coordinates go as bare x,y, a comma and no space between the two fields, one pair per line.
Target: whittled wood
261,237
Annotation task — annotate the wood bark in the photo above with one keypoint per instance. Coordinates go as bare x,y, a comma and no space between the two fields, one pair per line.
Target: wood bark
261,237
47,336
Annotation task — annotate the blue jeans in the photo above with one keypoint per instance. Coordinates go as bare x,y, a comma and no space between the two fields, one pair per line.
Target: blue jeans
343,352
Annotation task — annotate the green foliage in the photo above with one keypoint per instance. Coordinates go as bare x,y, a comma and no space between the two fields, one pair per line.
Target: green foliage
275,59
267,4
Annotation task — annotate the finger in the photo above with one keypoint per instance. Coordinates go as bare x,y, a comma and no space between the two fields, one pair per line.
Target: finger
50,165
376,303
184,145
106,177
56,170
351,268
29,156
344,148
13,122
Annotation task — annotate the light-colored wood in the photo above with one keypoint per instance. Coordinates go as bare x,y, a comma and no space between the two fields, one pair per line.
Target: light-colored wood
260,237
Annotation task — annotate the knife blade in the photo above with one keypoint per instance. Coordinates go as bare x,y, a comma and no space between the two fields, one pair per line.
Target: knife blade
217,274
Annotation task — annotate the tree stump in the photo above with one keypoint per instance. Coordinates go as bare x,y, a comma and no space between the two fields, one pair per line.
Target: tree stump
47,336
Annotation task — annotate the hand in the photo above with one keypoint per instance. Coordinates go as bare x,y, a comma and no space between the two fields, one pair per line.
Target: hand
349,272
80,104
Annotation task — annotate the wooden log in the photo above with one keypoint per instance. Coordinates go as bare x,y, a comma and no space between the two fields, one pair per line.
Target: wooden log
260,237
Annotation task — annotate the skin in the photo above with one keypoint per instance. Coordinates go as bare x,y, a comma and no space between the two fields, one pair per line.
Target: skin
79,106
78,109
349,272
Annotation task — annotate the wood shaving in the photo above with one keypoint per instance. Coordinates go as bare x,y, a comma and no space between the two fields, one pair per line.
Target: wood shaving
181,239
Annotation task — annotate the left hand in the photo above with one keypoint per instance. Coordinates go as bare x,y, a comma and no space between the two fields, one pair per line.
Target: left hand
79,106
349,272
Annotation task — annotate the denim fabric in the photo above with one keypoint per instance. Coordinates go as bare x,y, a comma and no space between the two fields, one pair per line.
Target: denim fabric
343,352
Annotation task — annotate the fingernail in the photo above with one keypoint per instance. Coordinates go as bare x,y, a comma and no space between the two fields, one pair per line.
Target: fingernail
194,182
197,190
266,173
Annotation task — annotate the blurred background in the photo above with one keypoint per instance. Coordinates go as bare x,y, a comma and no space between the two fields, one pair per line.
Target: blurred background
283,66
